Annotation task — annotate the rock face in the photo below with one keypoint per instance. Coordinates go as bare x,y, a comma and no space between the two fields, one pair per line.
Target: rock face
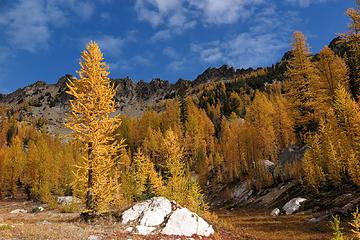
159,215
293,205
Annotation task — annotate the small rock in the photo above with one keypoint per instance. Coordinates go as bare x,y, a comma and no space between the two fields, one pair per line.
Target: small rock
45,222
67,200
269,165
275,212
37,209
94,237
293,205
19,210
129,229
144,230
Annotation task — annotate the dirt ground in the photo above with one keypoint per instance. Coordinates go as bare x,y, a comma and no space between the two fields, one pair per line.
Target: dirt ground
51,224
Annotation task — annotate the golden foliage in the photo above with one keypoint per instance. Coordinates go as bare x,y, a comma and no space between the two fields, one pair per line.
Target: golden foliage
91,123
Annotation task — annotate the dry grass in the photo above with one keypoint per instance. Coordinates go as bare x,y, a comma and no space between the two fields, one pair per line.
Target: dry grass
261,226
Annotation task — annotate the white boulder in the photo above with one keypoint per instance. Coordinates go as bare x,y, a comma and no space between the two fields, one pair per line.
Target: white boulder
159,215
182,222
144,230
293,205
19,210
275,212
135,212
156,212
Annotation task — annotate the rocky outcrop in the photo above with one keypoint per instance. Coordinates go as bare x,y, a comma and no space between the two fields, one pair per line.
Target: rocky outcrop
159,215
293,205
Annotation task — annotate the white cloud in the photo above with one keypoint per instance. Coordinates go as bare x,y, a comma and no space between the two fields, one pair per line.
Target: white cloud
126,64
176,16
157,12
177,65
111,44
185,13
259,45
224,11
244,50
161,35
171,52
306,3
28,24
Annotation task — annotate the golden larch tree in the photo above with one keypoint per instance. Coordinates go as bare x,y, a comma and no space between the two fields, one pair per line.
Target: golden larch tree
332,71
301,77
347,113
352,39
90,120
179,185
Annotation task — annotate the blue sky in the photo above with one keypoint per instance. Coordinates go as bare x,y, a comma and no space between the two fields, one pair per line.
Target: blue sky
145,39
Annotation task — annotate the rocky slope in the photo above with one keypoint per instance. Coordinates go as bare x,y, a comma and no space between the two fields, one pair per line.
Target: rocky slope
47,104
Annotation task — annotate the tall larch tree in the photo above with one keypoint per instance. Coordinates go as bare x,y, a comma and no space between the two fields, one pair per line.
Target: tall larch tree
332,71
301,77
91,106
347,113
179,185
352,38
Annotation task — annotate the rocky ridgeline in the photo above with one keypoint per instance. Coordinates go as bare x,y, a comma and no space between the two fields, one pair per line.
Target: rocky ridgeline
158,215
49,102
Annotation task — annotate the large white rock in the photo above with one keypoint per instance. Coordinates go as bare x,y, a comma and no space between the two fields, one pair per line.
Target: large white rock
156,212
135,212
182,222
159,215
293,205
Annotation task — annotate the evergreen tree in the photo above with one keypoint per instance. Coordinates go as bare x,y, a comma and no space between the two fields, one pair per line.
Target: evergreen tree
91,106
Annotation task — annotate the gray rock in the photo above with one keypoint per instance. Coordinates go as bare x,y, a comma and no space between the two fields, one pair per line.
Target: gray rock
275,212
293,205
67,200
